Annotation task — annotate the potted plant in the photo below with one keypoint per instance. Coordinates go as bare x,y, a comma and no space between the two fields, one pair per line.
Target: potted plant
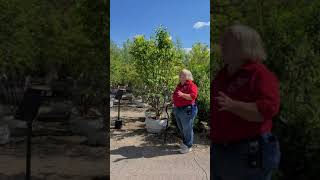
156,120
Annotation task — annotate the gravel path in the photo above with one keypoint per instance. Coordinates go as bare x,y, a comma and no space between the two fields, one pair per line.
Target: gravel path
54,158
137,155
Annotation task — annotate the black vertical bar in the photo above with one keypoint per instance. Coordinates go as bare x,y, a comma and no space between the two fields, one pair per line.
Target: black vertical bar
28,111
119,108
28,159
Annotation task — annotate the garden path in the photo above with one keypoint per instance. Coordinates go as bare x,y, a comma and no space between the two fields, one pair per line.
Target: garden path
138,155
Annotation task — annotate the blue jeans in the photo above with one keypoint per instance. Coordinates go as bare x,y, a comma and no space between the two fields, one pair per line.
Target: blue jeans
184,117
231,162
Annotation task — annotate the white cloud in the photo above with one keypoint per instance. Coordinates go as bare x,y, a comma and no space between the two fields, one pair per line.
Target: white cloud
200,24
187,49
138,35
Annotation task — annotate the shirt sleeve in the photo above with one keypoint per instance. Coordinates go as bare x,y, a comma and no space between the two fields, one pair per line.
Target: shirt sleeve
174,94
193,91
266,87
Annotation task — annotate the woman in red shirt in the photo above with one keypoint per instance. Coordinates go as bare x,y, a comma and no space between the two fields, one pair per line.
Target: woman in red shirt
185,109
245,98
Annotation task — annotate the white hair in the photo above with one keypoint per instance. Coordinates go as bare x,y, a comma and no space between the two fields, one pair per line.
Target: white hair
187,73
250,41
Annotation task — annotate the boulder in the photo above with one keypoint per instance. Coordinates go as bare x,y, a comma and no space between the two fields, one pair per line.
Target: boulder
141,105
85,127
128,96
16,127
97,139
4,134
55,110
111,102
94,112
4,110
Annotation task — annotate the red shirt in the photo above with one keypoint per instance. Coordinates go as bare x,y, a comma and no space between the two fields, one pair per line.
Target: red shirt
252,83
188,88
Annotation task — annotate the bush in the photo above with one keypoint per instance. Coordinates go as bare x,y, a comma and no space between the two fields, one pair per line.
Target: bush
198,62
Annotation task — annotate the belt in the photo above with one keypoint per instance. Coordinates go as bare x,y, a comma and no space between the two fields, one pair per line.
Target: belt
238,143
183,107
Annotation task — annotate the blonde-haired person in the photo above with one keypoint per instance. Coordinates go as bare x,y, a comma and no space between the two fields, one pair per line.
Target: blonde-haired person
245,97
185,109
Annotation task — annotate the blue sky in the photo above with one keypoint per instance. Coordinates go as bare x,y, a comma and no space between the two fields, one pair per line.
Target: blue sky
187,20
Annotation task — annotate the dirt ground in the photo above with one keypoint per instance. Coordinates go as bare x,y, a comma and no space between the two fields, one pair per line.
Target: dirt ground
54,158
138,155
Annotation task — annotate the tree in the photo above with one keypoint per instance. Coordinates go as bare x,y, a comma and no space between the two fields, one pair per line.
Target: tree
157,63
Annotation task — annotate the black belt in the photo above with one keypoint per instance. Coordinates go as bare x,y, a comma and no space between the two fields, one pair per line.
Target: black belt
238,143
183,107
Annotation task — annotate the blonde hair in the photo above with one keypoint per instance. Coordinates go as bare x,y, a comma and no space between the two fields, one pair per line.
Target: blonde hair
250,41
187,73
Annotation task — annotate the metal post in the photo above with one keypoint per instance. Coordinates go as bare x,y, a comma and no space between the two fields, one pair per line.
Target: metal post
118,123
28,111
119,100
28,158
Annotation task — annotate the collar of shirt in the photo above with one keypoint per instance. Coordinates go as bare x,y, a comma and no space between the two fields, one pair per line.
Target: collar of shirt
186,83
244,67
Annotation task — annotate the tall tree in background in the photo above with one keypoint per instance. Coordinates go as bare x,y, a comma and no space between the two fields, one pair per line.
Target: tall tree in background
198,62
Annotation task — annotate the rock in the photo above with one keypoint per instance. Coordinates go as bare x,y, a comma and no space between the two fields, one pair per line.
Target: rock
93,129
75,111
141,105
137,101
4,134
94,112
97,139
16,127
55,110
78,126
128,96
113,91
4,110
111,102
95,124
82,126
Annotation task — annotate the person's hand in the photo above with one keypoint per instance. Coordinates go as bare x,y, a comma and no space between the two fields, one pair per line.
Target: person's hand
180,93
225,102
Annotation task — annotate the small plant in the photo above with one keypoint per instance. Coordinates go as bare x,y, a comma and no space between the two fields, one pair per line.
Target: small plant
158,102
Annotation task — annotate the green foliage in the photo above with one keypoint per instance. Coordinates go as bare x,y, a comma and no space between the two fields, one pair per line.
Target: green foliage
152,65
122,70
68,37
157,63
198,62
290,30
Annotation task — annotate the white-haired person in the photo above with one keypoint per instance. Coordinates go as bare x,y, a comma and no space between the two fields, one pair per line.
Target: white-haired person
245,98
185,108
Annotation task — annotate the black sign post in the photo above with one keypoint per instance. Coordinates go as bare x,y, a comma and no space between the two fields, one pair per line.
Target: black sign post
120,93
28,111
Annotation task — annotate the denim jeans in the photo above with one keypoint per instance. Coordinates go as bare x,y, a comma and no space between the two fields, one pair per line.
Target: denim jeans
231,162
184,117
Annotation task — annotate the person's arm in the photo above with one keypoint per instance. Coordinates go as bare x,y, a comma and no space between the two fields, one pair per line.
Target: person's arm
247,111
189,96
184,95
265,106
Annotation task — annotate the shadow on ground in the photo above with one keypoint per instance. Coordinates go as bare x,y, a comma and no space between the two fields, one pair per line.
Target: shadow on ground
135,152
